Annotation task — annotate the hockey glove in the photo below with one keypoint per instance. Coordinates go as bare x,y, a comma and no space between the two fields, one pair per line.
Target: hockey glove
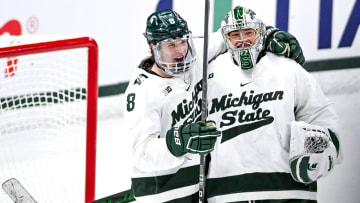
312,152
193,138
283,43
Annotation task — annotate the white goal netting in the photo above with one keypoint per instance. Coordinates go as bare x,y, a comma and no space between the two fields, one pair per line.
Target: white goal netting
43,117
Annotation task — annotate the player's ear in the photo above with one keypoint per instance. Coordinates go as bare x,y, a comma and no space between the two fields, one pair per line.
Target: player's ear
151,45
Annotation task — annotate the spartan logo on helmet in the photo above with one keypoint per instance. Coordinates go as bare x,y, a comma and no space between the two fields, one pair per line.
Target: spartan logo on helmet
170,41
243,35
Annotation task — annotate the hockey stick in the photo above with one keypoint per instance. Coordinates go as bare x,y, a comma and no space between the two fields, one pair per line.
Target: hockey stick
202,177
121,197
127,196
17,192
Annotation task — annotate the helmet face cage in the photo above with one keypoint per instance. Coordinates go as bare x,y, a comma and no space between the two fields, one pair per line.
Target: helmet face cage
243,35
175,55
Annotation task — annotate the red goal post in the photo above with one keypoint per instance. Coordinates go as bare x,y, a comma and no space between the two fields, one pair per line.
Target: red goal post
40,99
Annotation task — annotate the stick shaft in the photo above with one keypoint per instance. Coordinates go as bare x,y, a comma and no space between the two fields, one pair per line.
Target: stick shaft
204,100
123,197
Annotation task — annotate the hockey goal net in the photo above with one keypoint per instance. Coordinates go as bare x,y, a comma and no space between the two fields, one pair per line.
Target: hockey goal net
48,100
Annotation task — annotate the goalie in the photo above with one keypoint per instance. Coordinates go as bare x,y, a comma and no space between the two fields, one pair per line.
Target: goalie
279,131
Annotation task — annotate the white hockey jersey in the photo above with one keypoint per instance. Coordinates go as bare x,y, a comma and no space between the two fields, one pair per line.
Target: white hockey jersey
152,106
254,110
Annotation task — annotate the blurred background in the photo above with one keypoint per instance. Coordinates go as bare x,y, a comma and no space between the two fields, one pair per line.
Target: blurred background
326,29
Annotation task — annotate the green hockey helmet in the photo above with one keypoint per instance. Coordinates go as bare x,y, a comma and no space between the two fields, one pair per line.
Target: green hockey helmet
164,25
173,48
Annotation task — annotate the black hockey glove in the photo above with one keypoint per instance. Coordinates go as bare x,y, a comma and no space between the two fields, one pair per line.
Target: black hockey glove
194,138
283,43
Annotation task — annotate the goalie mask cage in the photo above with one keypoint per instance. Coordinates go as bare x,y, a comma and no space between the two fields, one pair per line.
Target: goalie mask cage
48,111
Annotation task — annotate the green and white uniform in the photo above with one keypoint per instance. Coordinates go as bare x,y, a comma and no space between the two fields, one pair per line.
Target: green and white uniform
153,106
254,109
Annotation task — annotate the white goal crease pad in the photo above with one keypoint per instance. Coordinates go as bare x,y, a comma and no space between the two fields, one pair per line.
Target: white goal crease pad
48,100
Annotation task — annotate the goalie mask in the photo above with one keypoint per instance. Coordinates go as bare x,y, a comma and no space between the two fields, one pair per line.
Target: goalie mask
170,41
243,35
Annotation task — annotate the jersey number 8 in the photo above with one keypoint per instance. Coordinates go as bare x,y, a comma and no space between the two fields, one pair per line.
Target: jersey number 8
130,102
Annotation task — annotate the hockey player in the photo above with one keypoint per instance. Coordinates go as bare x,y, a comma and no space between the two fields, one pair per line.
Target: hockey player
279,131
162,105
